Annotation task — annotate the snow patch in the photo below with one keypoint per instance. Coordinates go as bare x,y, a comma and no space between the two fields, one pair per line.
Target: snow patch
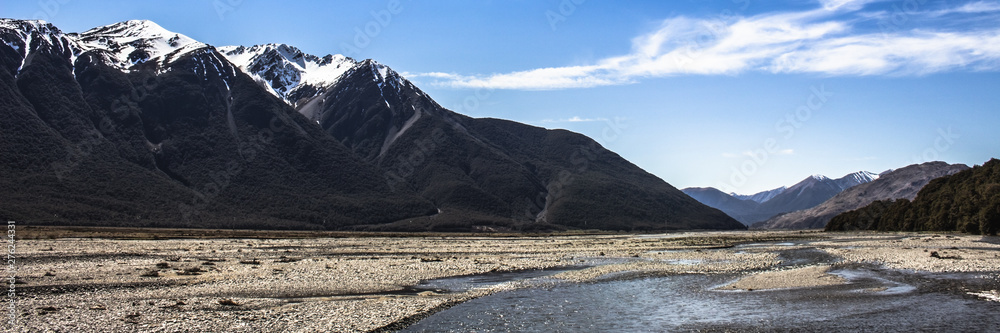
383,72
760,197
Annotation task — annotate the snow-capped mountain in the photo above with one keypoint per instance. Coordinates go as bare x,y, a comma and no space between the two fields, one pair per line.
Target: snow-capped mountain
124,45
805,194
814,190
843,183
154,129
856,179
26,36
313,86
903,183
286,71
137,42
157,129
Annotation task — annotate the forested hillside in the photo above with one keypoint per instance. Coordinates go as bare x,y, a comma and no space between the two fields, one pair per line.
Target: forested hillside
968,201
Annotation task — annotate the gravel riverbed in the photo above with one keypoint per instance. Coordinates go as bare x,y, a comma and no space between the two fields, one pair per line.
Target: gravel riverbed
367,283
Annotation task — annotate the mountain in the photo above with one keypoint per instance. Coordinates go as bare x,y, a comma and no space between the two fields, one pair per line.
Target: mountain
129,124
967,201
139,43
286,71
740,209
903,183
805,194
760,197
133,125
813,191
489,172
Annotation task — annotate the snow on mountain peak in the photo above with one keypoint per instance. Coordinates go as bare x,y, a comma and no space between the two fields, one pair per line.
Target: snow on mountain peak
132,28
286,69
25,35
383,70
381,73
863,176
854,179
283,70
136,42
35,25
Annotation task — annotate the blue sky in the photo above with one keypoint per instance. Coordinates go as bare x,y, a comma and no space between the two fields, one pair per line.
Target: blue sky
743,95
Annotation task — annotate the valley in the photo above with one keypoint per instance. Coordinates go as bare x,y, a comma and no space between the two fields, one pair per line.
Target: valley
155,182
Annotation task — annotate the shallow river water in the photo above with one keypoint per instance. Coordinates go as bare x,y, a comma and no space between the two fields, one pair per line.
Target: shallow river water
873,300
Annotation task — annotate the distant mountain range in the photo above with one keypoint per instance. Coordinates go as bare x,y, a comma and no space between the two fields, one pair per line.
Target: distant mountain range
761,206
133,125
745,211
761,196
966,201
903,183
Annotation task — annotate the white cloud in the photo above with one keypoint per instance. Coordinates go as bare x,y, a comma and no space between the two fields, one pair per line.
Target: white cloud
971,8
917,54
542,78
575,119
844,4
796,42
900,15
436,75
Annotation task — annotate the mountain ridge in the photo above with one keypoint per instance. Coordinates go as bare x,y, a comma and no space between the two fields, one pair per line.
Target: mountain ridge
286,71
187,141
205,142
759,197
807,193
901,183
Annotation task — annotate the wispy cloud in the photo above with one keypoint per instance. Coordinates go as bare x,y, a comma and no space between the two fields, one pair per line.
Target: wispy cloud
575,119
970,8
844,4
981,7
815,41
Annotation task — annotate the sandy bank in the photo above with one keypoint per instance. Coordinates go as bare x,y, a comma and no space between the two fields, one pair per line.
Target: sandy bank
812,276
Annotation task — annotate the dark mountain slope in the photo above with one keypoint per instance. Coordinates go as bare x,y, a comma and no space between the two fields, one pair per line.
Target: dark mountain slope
57,167
514,173
171,143
586,184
